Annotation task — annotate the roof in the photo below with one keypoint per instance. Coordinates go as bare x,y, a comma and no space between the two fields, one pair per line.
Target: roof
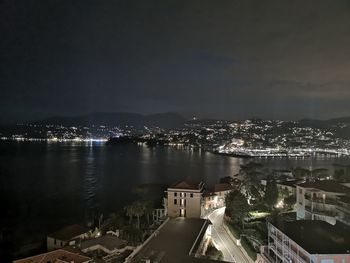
222,187
291,183
162,248
187,184
69,232
208,193
108,241
327,186
59,256
318,237
345,199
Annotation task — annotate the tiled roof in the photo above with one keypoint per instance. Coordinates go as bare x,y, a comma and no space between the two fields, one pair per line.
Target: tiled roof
222,187
69,232
291,183
108,241
187,184
56,256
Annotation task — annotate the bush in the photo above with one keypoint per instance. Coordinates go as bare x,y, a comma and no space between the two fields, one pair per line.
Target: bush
213,253
235,229
248,248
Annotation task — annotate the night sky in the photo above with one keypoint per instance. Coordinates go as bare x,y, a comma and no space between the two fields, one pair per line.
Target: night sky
223,59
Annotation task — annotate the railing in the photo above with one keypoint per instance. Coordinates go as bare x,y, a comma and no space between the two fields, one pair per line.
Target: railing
343,209
324,212
320,212
326,201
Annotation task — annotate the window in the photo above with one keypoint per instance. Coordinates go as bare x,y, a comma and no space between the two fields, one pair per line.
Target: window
191,195
175,194
175,201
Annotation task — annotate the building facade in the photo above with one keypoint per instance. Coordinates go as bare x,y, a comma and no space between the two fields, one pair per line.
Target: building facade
184,199
326,200
66,236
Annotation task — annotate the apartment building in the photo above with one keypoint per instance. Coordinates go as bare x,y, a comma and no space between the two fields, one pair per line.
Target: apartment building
326,200
184,199
306,241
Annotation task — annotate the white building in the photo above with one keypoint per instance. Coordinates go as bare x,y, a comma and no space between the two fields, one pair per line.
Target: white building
324,200
306,241
66,237
185,199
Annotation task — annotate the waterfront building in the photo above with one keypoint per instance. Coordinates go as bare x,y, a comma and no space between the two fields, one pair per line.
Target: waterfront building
306,241
67,236
326,200
184,199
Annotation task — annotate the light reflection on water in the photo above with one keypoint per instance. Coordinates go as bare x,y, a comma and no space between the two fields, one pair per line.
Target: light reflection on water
56,184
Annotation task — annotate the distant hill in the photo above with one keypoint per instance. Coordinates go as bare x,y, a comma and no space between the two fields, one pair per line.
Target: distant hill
325,123
162,120
341,126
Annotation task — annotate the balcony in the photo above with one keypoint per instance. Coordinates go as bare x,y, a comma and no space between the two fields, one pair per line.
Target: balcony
344,209
318,200
321,211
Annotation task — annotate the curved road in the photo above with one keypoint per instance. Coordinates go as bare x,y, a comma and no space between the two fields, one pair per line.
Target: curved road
223,241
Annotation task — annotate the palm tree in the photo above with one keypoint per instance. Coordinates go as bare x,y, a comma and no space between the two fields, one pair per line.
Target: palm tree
129,212
148,210
139,210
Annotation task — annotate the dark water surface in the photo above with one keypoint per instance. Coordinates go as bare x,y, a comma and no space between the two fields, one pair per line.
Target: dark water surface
47,185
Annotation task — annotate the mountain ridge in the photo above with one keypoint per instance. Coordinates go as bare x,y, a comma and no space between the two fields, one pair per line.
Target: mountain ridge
162,120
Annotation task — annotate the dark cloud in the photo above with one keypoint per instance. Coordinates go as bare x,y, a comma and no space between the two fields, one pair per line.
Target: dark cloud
230,59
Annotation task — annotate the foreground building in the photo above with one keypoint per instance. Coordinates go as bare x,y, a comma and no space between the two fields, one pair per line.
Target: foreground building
306,241
56,256
109,244
325,200
66,236
177,240
184,199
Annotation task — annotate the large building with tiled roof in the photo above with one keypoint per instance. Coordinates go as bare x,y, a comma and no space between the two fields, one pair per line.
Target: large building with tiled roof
56,256
326,200
184,199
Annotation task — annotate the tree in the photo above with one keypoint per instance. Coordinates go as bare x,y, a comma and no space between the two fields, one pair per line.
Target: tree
236,206
289,201
139,210
213,253
271,193
129,209
300,173
148,210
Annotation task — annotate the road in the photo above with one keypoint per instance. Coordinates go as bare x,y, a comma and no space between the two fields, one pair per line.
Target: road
223,241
